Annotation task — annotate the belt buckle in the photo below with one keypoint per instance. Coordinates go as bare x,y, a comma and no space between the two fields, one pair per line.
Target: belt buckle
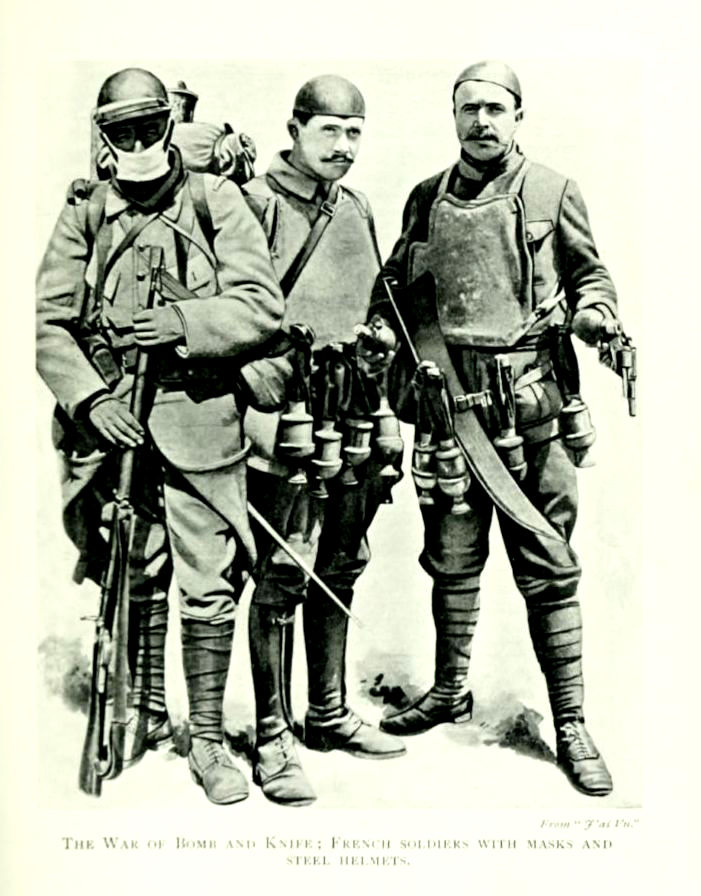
328,208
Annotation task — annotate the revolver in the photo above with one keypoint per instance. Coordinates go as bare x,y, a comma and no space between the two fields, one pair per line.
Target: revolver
616,350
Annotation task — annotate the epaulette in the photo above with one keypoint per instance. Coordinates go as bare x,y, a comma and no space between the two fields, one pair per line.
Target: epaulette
94,192
78,191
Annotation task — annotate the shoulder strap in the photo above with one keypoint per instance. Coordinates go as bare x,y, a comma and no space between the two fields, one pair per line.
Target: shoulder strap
195,183
327,210
95,193
541,192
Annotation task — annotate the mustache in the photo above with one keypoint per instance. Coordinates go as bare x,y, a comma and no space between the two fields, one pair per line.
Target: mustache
477,135
338,157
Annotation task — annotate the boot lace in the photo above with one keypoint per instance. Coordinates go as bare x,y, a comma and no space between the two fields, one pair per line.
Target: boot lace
575,737
213,753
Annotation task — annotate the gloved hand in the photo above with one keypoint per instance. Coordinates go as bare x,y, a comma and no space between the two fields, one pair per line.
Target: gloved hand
158,326
115,422
376,345
589,325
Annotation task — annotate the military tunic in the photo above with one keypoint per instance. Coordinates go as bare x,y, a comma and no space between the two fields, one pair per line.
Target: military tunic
196,440
564,258
331,295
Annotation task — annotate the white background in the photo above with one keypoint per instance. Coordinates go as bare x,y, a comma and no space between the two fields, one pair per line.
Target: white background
604,98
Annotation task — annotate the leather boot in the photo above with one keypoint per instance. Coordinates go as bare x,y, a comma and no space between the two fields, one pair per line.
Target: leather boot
580,760
206,655
556,632
276,767
149,727
330,724
455,614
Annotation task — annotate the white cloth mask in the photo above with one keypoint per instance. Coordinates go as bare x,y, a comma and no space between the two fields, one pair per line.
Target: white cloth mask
149,164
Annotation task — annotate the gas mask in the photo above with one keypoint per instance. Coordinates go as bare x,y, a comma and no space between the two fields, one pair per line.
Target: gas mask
149,164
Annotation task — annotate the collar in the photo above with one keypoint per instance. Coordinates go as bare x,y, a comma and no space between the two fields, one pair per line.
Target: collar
292,179
116,202
511,159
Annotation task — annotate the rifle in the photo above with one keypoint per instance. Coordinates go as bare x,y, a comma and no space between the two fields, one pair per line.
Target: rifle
616,350
103,750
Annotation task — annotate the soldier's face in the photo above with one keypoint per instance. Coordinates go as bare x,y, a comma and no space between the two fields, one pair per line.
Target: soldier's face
137,135
326,146
486,119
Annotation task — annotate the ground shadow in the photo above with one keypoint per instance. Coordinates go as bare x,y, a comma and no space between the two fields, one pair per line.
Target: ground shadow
66,670
385,679
241,742
502,721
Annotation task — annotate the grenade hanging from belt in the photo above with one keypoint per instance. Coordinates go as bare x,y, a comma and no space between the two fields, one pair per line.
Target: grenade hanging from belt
509,445
423,466
357,428
327,461
356,449
388,442
294,442
576,429
423,460
452,476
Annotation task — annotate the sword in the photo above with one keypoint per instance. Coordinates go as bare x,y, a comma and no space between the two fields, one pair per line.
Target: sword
280,542
479,452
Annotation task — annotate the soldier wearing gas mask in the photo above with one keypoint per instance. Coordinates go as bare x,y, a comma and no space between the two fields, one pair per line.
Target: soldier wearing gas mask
324,251
218,297
504,249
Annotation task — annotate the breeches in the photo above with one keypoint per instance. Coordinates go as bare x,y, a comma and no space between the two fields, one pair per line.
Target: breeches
177,531
330,535
456,547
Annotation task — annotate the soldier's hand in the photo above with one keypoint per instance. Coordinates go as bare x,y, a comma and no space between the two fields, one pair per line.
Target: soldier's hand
376,345
115,422
158,326
589,325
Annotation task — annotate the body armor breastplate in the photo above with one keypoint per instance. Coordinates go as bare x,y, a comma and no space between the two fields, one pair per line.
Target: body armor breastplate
332,293
478,256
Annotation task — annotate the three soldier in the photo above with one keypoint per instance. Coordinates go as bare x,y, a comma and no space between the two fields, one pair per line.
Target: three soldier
497,249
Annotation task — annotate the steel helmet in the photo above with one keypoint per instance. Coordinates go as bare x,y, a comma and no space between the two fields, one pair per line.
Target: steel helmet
128,94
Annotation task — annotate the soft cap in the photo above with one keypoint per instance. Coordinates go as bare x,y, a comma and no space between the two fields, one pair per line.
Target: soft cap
494,72
330,95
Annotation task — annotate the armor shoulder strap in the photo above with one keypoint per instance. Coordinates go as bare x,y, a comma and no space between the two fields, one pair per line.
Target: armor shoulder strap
360,200
541,192
445,179
363,204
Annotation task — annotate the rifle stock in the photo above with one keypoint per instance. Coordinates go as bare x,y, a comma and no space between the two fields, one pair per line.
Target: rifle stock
103,751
